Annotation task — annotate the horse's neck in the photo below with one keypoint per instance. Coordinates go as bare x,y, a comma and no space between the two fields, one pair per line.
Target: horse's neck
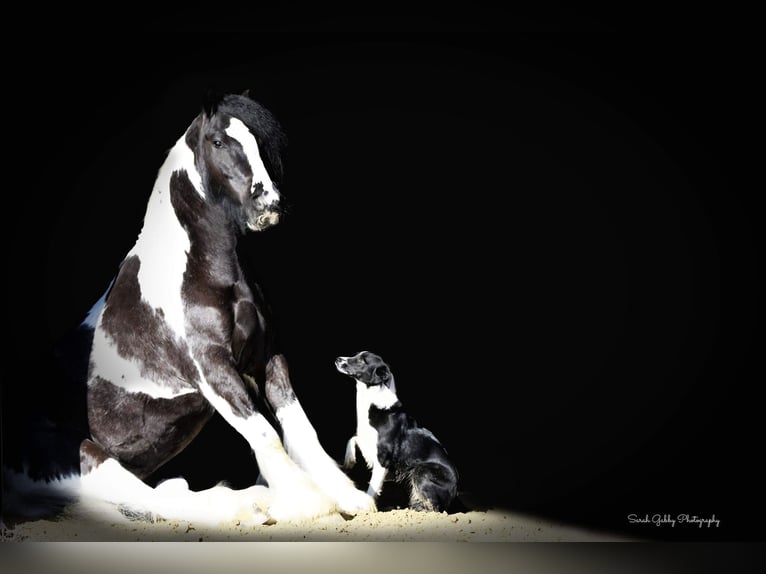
160,221
166,239
162,239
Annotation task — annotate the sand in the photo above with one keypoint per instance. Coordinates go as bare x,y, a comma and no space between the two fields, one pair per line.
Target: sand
381,542
383,526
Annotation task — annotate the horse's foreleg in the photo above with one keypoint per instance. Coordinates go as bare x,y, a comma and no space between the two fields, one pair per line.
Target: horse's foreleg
303,445
294,493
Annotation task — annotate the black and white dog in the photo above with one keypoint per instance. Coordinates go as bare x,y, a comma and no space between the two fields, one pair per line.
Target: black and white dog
392,441
181,333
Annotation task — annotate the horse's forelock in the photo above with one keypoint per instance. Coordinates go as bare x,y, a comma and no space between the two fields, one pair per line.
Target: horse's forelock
261,122
264,126
210,102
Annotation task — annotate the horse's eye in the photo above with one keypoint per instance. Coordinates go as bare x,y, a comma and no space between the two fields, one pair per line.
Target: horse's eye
218,143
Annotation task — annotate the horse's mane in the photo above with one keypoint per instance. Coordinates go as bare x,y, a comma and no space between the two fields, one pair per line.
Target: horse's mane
267,130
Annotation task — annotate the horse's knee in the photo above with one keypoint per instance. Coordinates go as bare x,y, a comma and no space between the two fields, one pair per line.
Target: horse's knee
279,390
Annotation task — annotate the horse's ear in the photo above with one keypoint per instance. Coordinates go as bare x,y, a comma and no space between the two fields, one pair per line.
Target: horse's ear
210,102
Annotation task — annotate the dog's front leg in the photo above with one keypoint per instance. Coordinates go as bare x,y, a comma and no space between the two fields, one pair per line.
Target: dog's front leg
376,480
303,445
349,459
294,495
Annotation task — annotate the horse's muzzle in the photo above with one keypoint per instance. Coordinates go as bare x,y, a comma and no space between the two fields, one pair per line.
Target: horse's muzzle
263,220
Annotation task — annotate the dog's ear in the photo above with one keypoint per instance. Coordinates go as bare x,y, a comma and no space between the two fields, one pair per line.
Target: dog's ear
382,373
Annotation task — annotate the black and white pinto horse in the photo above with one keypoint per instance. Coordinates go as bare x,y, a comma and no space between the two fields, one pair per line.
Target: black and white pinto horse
180,334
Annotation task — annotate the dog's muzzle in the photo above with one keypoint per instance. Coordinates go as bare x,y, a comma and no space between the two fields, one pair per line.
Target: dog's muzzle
341,363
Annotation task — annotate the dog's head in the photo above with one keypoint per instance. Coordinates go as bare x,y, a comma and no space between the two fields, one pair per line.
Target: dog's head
366,368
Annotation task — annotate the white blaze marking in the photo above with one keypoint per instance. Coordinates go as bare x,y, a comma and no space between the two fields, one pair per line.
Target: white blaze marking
163,244
239,132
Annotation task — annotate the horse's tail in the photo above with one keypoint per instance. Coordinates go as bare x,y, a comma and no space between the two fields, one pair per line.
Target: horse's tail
41,467
25,498
72,351
43,431
50,417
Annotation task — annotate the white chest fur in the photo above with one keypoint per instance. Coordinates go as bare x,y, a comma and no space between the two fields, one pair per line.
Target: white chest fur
366,436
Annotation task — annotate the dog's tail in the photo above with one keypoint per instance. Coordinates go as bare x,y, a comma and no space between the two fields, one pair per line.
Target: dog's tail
433,486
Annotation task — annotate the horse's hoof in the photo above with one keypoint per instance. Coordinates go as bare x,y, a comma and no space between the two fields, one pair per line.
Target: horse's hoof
354,501
299,502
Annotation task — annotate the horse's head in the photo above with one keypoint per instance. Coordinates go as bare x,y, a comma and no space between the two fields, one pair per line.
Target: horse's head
237,145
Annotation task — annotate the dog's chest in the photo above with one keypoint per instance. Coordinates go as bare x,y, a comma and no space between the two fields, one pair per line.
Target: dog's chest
366,434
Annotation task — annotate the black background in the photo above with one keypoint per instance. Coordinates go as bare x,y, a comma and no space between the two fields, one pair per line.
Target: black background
549,234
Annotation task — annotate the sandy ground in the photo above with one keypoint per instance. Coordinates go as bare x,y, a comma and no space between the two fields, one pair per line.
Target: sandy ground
384,526
381,542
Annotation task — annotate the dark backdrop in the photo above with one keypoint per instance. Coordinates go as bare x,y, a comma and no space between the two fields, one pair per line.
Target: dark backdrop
550,238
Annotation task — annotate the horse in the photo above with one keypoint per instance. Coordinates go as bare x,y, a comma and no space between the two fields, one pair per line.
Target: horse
181,333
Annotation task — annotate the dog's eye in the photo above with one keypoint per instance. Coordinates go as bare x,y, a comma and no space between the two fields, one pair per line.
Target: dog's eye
218,143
